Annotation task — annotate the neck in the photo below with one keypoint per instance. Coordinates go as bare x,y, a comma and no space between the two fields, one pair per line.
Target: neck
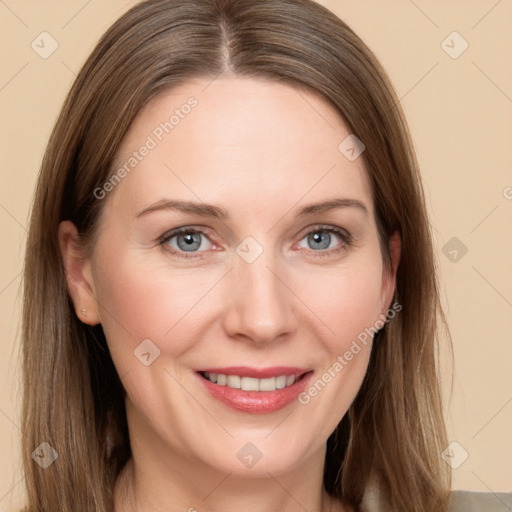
157,478
137,491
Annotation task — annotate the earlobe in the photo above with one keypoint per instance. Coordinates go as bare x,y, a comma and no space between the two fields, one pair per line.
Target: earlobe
389,277
78,274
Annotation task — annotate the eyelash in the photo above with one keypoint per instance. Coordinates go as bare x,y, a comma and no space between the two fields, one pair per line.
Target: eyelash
346,241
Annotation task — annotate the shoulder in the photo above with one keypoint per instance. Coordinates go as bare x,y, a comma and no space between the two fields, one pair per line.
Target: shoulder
472,501
460,501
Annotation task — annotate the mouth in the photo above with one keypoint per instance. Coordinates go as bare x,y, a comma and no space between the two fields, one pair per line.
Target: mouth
255,390
245,383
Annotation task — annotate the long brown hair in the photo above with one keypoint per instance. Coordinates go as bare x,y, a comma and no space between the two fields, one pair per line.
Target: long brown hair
73,398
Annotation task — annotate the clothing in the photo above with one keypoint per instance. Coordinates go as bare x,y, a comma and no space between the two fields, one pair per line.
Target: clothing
461,501
467,501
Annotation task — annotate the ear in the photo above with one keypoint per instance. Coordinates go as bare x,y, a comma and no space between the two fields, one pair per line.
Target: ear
389,275
78,274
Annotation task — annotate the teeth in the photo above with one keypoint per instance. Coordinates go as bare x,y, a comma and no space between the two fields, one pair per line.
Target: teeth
281,382
233,381
249,383
268,384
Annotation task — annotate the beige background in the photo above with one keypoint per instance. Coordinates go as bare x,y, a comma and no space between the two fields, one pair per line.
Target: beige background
460,113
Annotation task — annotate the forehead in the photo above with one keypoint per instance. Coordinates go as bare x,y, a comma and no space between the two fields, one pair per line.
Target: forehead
240,140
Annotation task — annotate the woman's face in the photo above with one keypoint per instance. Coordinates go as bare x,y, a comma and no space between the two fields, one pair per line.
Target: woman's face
277,274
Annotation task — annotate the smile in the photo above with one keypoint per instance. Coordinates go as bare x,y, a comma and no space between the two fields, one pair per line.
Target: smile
250,383
253,390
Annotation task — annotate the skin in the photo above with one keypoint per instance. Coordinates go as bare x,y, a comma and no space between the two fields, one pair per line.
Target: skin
260,150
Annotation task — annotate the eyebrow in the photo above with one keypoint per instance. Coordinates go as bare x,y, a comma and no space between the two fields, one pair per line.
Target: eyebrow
209,210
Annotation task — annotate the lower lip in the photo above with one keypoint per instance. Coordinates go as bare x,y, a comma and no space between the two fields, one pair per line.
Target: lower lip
257,402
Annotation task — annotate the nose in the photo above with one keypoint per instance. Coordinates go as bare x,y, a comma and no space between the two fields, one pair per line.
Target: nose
259,302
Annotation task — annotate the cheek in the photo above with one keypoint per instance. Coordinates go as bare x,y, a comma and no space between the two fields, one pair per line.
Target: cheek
172,306
348,300
151,301
139,301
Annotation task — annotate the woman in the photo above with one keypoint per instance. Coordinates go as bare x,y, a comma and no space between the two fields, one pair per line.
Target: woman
230,264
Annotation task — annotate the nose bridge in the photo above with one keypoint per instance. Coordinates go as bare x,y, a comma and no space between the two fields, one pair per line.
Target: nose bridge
261,304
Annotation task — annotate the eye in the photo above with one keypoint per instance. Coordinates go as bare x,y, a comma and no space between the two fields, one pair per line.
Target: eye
325,240
186,240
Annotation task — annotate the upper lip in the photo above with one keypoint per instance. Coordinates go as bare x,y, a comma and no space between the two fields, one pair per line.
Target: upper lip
257,373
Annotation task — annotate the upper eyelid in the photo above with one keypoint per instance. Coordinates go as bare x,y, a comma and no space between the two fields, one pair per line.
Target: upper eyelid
185,229
324,227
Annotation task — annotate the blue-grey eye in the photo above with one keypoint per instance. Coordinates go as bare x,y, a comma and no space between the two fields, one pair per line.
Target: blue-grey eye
321,239
188,241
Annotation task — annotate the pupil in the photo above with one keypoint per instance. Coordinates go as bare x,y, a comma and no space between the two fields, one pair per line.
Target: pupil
192,241
321,238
